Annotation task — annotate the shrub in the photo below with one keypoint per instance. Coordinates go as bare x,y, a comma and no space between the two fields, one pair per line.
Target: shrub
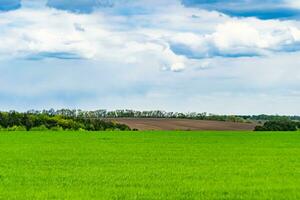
260,128
122,127
39,128
42,121
57,128
285,125
16,128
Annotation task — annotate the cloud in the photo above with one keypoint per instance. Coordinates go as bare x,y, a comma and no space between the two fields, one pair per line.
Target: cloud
171,39
71,36
25,35
239,38
6,5
230,85
82,6
124,57
58,55
269,9
293,3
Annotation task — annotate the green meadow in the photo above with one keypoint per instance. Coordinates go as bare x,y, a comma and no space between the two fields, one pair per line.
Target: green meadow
149,165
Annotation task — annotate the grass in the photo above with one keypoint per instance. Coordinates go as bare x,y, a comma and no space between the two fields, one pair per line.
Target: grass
149,165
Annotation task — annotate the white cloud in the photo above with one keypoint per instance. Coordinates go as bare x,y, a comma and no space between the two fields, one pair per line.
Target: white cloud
66,35
107,59
293,3
41,33
242,37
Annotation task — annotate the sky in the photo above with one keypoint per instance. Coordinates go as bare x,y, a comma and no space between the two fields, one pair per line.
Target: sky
215,56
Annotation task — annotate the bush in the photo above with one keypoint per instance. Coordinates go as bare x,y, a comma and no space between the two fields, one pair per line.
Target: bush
39,128
3,129
40,121
16,128
57,128
285,125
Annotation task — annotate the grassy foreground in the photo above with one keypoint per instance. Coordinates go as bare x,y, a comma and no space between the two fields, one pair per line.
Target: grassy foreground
149,165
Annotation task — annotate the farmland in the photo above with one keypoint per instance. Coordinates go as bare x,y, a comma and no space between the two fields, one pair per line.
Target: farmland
150,165
183,124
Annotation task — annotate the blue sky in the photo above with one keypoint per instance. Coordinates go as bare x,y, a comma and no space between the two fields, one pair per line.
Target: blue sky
217,56
267,9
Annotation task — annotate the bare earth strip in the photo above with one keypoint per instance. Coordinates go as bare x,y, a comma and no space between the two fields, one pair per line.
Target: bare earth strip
183,124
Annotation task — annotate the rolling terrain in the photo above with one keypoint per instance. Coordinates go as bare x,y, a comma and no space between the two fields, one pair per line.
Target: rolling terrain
183,124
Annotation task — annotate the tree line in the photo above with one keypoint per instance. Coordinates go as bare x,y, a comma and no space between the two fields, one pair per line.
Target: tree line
40,121
279,125
67,119
127,113
104,114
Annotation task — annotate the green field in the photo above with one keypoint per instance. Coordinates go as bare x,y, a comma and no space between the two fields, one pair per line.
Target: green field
149,165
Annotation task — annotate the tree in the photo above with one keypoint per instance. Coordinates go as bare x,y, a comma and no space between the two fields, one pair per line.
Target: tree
278,125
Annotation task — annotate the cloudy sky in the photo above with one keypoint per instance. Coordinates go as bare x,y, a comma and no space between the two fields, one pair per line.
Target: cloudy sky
217,56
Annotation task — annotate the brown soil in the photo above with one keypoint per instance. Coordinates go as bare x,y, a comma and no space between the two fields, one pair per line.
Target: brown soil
183,124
